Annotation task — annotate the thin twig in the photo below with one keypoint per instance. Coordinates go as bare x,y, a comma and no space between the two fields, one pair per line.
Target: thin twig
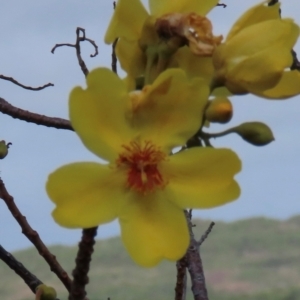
205,235
114,59
194,264
24,115
25,86
221,4
34,237
79,39
84,256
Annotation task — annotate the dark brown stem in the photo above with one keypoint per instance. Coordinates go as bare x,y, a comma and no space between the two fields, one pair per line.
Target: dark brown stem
272,2
34,237
79,39
24,115
221,4
194,264
25,86
31,280
180,288
84,256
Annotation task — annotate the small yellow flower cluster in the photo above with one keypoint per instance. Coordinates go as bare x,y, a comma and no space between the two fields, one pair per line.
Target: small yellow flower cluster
256,53
173,64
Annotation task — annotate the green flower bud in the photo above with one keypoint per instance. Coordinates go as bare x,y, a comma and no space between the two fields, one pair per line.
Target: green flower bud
3,149
219,110
255,133
44,292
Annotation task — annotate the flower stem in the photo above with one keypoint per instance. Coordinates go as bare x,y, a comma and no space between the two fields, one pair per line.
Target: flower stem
194,264
83,259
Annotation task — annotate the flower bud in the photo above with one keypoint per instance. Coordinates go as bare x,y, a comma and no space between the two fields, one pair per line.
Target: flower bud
44,292
3,149
219,110
255,133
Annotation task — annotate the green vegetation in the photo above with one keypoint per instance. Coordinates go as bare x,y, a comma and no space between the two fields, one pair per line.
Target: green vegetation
254,259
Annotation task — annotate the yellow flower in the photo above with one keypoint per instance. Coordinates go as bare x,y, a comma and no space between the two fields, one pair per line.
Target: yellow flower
150,40
256,53
141,184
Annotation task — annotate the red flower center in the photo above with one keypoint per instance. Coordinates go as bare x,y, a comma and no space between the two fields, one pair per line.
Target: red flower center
141,162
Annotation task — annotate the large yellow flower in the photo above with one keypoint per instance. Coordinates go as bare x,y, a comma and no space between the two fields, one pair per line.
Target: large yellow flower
150,40
141,185
256,53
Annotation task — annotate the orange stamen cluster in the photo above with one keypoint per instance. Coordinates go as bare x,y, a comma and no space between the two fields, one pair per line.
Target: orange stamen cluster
141,162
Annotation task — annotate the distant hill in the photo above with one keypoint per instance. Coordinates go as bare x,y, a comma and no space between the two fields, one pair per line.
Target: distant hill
253,259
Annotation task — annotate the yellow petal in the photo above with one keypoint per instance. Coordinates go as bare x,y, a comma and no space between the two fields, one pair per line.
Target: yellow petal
194,66
85,194
152,229
237,62
170,110
200,7
280,33
288,86
254,15
131,57
202,177
197,66
261,70
98,113
127,21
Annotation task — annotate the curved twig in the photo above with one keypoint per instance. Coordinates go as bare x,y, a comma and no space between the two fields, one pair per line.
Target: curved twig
25,86
24,115
222,4
79,39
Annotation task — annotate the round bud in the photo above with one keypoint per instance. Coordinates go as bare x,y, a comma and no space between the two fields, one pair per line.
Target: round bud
3,149
219,110
44,292
255,133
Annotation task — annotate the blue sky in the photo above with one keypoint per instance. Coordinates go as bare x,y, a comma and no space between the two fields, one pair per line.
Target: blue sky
270,175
